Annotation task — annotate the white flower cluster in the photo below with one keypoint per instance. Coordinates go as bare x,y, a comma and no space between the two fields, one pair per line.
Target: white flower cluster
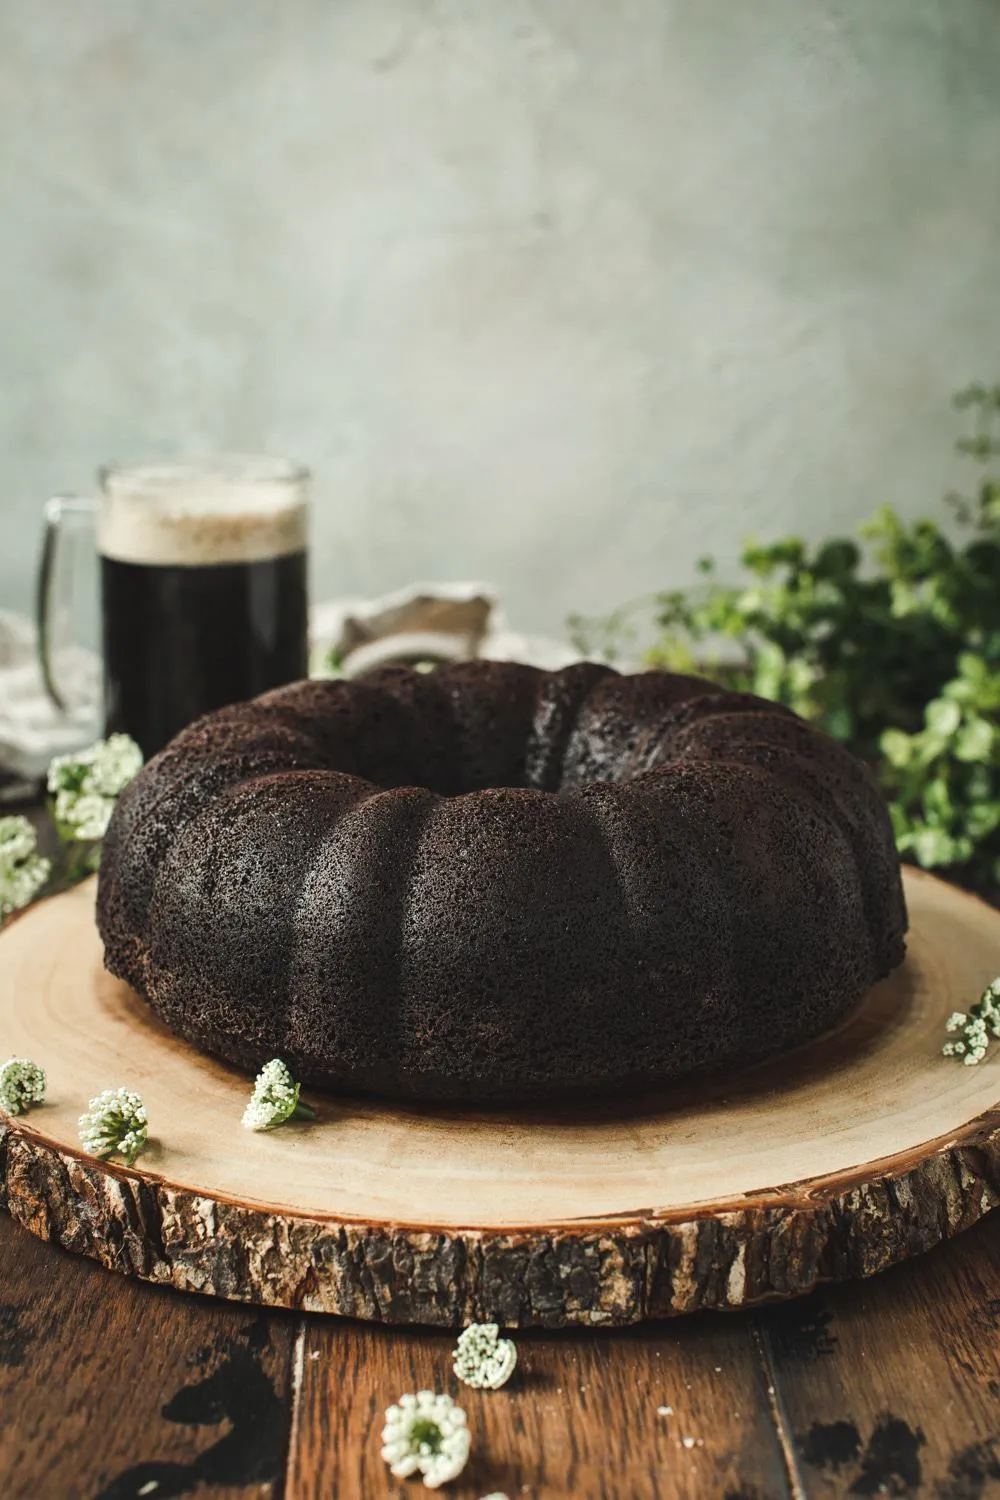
425,1432
23,871
275,1098
972,1030
115,1121
86,784
22,1084
482,1359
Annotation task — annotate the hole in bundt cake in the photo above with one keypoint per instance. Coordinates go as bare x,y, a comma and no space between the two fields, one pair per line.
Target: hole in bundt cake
479,726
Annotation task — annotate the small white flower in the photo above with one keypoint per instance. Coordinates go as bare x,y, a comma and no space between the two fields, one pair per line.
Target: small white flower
17,838
23,872
86,784
115,1122
482,1359
84,815
67,773
116,761
275,1098
989,1007
425,1432
22,1084
973,1029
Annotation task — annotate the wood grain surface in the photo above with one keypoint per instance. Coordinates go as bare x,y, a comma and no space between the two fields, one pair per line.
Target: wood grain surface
836,1161
582,1416
890,1387
105,1389
893,1387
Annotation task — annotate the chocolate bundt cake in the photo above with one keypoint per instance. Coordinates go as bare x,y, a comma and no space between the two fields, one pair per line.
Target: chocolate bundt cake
495,883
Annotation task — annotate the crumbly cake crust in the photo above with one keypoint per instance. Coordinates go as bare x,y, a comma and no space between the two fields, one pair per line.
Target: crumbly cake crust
492,883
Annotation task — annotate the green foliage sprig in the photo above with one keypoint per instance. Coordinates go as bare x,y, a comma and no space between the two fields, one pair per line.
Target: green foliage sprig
892,646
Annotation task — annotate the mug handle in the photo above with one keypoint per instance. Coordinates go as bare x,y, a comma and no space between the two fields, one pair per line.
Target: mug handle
56,510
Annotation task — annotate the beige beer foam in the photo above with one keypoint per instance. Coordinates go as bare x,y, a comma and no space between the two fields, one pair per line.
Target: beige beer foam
190,515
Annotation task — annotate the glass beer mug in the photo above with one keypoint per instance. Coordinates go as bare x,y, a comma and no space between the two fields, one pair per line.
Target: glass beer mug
203,588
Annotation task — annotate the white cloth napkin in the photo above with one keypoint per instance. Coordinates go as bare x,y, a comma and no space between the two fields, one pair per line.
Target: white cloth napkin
439,621
32,729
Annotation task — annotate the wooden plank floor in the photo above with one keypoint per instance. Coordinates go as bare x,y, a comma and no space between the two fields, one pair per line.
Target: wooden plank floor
111,1390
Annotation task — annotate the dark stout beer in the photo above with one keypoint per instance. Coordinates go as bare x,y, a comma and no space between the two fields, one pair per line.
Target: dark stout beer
204,592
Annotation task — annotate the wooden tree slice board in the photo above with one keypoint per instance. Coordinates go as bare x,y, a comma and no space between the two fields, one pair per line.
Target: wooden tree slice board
854,1152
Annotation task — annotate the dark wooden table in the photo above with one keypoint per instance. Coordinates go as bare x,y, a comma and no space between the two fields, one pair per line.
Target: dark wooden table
110,1390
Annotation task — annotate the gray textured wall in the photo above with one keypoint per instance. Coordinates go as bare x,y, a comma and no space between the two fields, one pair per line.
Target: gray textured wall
554,292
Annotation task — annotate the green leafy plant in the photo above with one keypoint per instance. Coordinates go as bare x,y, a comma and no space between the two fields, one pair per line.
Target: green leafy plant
892,646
